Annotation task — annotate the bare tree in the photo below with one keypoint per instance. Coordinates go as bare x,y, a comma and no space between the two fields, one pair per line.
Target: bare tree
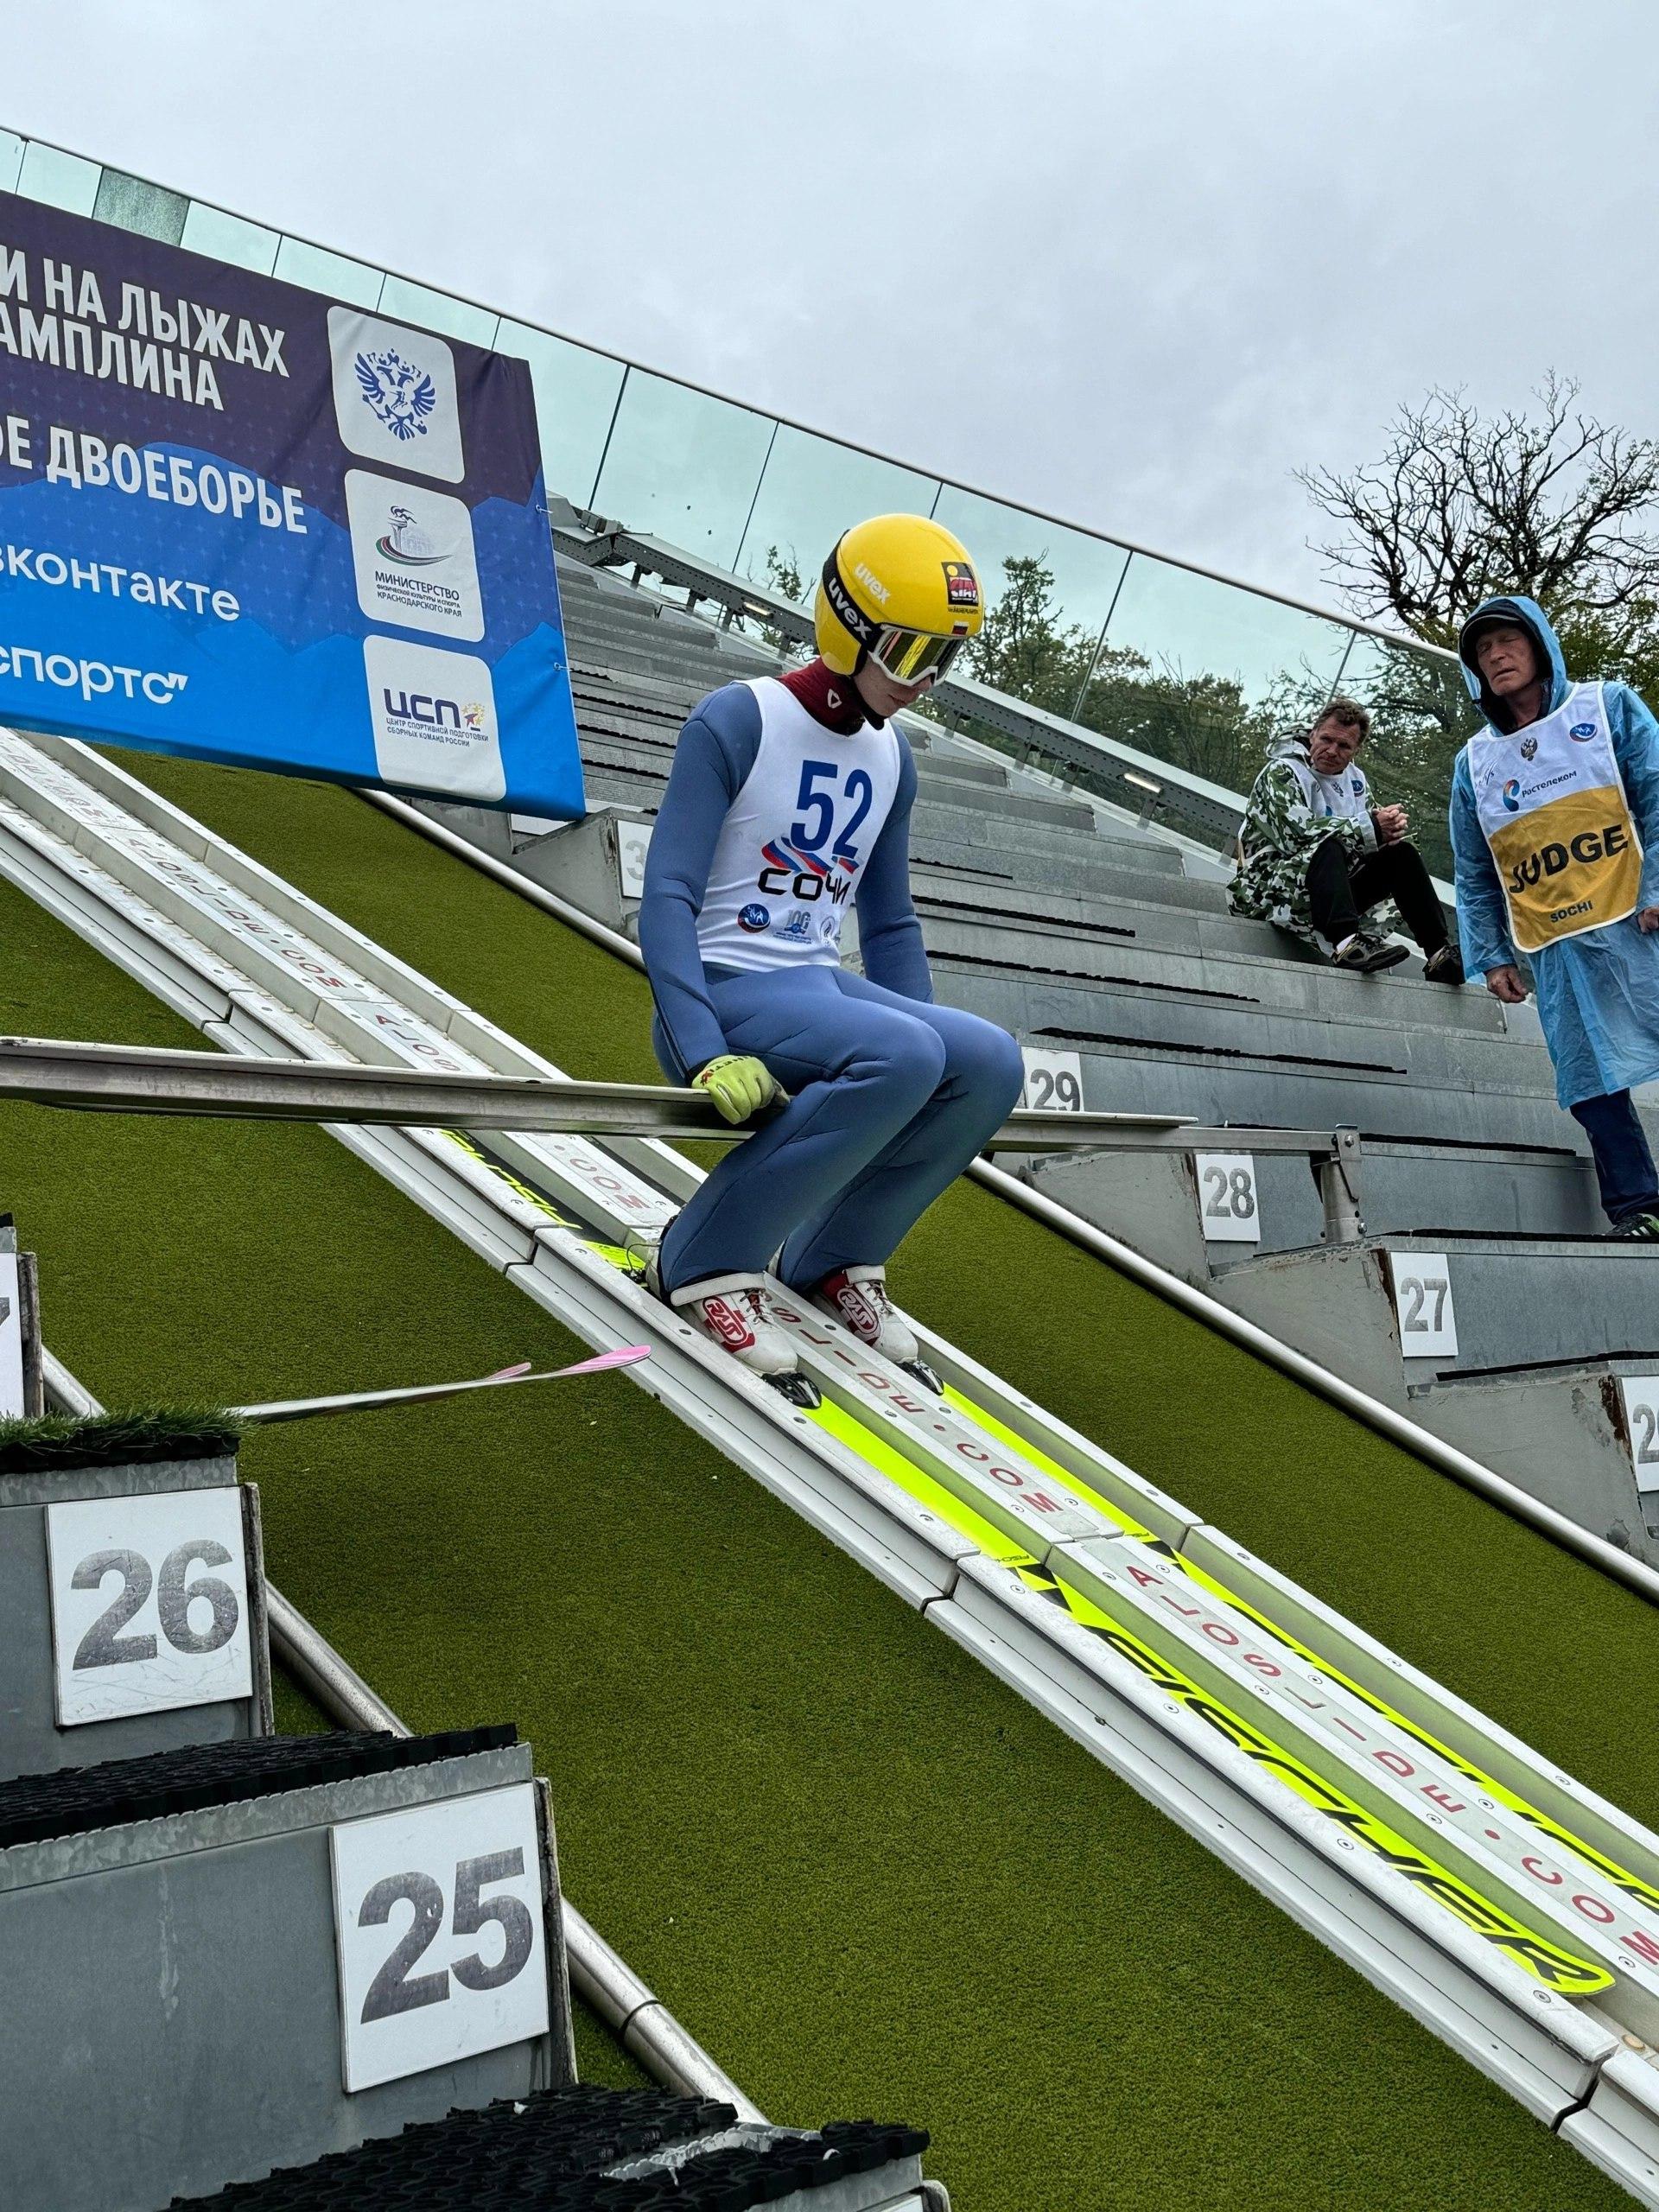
1556,506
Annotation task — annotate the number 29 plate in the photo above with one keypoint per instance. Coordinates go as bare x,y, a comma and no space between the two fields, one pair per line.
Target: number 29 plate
438,1933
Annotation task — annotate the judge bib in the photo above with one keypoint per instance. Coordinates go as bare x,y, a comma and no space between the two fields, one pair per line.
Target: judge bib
1552,805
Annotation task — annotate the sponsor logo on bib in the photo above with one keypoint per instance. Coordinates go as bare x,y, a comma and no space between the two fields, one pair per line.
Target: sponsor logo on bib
1583,732
1512,795
754,918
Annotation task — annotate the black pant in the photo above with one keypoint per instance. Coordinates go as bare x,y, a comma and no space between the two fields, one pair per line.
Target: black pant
1340,889
1624,1164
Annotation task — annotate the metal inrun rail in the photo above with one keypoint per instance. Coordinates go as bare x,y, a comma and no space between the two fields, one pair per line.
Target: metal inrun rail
1108,1604
669,2052
146,1079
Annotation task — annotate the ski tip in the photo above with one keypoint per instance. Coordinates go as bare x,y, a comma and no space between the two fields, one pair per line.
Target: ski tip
510,1374
624,1356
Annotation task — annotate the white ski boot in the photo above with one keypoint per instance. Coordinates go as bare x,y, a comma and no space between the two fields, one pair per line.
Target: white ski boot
732,1310
857,1298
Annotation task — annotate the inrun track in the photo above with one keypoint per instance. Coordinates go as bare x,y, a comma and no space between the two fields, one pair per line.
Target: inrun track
854,1865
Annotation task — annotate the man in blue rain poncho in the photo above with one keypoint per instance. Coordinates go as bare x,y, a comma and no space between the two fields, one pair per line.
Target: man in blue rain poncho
1556,830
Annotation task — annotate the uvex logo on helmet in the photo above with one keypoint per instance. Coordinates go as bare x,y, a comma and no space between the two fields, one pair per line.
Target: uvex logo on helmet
851,614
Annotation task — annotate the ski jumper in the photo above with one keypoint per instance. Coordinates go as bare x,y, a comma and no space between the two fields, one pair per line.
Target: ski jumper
787,801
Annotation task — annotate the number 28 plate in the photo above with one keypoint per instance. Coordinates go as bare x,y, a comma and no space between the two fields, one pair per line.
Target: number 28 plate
439,1932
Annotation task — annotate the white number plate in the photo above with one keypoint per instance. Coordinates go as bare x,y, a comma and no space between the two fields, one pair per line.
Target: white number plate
11,1337
150,1603
439,1934
633,843
1053,1080
1227,1204
1641,1395
1423,1305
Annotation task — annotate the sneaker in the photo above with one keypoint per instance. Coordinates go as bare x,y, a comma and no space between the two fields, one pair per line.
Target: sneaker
1636,1228
857,1298
1445,966
732,1309
1365,954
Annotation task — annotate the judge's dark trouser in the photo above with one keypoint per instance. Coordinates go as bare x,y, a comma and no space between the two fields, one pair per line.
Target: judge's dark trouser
1624,1167
1340,888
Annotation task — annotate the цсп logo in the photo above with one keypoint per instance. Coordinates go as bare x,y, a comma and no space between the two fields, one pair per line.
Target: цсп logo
401,396
1583,732
407,543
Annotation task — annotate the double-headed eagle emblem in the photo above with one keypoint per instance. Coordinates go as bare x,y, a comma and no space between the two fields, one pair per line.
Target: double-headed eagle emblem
401,395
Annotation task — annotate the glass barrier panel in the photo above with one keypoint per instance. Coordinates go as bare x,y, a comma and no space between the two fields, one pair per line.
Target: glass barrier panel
58,179
319,270
12,159
231,238
1048,592
814,488
1420,713
576,391
1206,674
132,205
683,466
408,302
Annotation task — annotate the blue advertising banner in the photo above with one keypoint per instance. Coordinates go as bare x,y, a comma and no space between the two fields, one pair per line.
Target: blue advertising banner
242,522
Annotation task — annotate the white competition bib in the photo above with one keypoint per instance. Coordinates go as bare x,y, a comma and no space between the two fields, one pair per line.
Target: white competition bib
796,838
1553,807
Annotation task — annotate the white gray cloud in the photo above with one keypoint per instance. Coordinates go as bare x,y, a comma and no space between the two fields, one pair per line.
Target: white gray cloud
1134,263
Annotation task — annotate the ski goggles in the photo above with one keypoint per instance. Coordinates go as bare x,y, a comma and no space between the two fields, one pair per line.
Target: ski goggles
912,656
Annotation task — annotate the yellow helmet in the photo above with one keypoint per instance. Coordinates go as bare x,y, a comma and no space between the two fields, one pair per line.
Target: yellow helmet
899,591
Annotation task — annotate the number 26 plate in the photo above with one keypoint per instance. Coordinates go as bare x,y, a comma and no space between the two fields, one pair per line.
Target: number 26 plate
150,1603
438,1933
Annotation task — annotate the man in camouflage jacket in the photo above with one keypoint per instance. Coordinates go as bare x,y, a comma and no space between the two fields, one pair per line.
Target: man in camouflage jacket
1320,861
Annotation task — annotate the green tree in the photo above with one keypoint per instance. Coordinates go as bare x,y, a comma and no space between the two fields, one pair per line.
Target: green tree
1202,723
1024,649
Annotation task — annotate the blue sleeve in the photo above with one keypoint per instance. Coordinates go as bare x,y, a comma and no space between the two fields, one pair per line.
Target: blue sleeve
711,764
1636,748
1483,918
889,935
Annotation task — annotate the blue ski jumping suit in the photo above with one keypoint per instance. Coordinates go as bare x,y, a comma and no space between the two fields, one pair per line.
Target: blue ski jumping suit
786,801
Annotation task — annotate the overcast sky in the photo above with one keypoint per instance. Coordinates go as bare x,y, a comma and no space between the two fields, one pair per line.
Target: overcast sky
1133,261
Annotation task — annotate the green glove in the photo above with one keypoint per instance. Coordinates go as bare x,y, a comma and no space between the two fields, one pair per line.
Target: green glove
739,1085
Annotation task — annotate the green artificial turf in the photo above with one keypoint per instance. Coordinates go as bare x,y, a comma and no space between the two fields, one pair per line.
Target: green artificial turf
599,2055
868,1876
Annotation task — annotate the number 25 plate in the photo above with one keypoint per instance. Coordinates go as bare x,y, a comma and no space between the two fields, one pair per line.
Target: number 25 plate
439,1932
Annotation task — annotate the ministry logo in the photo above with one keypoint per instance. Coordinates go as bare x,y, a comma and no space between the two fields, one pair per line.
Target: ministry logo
406,542
401,395
414,555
